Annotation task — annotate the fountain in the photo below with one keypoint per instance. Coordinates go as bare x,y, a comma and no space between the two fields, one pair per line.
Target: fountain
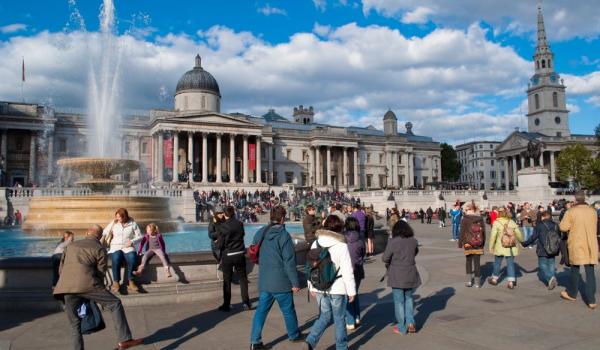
54,214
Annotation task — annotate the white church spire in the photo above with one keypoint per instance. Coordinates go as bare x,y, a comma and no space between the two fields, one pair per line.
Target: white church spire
543,58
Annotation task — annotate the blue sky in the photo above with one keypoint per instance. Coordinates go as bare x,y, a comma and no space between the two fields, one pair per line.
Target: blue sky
445,66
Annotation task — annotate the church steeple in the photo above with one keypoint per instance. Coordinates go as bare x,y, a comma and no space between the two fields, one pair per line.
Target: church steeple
543,58
548,114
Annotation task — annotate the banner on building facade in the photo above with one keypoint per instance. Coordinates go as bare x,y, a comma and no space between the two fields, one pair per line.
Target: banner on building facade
168,152
252,156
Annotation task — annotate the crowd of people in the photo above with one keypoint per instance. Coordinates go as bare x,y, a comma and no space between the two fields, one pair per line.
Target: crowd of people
339,238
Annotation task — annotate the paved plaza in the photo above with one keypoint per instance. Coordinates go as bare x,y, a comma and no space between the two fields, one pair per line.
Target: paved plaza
448,315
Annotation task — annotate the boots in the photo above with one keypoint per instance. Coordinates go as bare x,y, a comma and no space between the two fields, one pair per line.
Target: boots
132,287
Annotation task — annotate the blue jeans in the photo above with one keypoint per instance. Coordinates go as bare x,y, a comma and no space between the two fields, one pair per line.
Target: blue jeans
546,268
403,308
455,229
118,258
330,306
510,267
353,308
286,305
527,232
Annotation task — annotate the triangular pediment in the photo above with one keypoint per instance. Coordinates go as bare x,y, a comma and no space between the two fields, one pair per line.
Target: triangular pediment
215,119
514,141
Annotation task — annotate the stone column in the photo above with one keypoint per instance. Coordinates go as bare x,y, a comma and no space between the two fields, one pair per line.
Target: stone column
205,157
245,161
190,152
531,162
388,165
232,158
346,175
219,159
498,179
258,160
270,158
431,161
32,158
411,179
161,157
506,174
356,174
311,167
514,170
552,167
328,177
542,159
318,168
50,154
175,157
406,170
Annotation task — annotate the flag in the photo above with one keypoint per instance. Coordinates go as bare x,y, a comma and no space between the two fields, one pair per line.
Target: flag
23,71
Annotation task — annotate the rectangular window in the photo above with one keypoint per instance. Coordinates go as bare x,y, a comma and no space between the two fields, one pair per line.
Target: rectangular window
289,177
400,159
62,145
492,162
369,180
492,174
304,155
288,154
480,146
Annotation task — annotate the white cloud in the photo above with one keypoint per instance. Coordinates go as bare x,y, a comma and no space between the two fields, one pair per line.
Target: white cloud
321,30
351,74
564,20
268,10
420,15
13,28
321,5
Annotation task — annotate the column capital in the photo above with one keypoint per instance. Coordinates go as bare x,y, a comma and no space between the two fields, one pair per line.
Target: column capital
245,137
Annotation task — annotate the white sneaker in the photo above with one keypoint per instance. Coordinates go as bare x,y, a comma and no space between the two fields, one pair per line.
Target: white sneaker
552,283
350,327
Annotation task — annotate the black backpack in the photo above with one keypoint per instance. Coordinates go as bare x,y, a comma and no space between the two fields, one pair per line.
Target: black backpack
552,241
319,269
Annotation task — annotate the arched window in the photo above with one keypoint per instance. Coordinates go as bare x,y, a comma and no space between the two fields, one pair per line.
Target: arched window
555,99
543,63
203,102
537,101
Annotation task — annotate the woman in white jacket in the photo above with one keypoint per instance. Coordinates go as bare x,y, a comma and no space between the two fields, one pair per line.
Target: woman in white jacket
332,302
121,235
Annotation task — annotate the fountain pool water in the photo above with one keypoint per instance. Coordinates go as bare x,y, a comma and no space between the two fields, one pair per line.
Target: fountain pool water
192,238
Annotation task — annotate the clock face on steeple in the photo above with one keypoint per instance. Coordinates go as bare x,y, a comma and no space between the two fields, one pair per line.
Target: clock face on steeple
535,80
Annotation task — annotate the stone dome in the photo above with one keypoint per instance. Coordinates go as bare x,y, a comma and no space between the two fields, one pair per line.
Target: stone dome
389,115
198,79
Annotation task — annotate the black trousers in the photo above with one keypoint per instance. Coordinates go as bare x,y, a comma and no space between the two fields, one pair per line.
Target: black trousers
104,298
474,264
228,263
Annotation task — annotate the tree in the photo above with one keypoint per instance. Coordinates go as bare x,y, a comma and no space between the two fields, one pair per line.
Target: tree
576,163
450,165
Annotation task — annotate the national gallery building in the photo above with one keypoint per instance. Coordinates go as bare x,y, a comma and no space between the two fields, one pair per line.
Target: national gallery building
197,143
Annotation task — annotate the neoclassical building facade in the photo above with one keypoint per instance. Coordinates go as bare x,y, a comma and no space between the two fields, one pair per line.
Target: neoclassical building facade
198,144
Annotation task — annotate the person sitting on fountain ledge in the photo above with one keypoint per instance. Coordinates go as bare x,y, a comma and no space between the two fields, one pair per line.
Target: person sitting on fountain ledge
121,236
82,270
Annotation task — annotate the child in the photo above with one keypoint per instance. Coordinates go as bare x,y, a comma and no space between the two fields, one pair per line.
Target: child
402,274
67,238
154,243
546,229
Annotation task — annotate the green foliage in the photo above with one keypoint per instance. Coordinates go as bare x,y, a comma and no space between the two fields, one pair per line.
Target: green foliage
577,163
450,164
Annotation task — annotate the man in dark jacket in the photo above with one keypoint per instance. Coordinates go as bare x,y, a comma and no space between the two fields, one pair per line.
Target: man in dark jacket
277,278
231,237
311,224
429,215
546,263
82,270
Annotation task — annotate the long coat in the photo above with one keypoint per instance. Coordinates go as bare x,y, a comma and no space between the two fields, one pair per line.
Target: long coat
496,237
580,222
82,267
400,256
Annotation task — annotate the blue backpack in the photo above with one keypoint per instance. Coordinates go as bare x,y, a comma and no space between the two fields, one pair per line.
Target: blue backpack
319,269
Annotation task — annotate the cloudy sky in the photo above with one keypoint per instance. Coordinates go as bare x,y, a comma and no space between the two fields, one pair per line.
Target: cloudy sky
457,69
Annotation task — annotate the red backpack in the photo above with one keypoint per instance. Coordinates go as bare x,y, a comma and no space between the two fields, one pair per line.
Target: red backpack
476,236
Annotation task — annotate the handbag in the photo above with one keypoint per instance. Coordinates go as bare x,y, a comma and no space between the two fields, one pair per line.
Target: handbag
92,320
254,249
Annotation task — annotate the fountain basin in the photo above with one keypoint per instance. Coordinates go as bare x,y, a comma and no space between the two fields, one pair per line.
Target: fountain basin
51,216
